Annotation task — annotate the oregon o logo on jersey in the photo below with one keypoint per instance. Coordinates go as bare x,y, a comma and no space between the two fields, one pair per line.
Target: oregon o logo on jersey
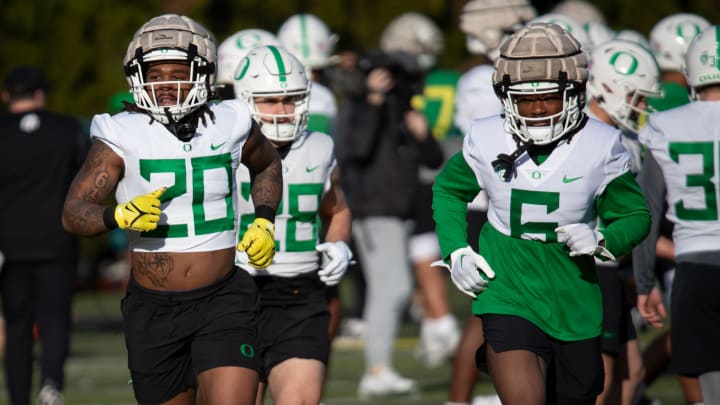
624,63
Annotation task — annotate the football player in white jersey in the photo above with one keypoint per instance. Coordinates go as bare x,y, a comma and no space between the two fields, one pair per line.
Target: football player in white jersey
620,78
311,41
232,50
294,318
682,165
550,173
188,314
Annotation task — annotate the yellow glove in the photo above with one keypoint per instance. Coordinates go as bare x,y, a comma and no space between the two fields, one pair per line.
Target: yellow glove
259,243
142,213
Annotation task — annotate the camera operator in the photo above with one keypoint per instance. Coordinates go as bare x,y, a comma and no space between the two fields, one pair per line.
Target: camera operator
383,141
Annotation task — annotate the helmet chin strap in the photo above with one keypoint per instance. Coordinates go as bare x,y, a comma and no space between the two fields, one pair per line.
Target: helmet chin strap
183,129
504,164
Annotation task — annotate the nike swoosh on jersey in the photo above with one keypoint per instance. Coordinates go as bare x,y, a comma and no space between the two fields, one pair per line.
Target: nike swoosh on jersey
216,147
571,179
311,169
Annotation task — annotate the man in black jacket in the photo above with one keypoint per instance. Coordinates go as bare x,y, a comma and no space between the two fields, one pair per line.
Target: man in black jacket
41,153
383,142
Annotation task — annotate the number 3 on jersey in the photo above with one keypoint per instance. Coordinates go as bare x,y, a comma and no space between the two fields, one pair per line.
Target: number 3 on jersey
704,179
296,224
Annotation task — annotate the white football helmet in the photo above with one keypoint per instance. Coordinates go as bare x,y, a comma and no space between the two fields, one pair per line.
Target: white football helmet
541,58
598,32
621,73
580,10
702,60
171,38
633,36
308,38
415,34
670,37
270,71
236,46
486,23
573,27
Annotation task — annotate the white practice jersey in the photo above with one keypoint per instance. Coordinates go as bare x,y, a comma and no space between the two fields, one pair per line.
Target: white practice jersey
322,102
307,170
684,142
475,97
629,140
198,207
571,177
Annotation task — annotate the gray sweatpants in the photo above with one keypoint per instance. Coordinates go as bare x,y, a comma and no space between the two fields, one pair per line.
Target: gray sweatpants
382,244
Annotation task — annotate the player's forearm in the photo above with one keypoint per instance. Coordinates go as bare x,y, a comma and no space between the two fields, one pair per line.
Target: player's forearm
266,189
83,218
339,226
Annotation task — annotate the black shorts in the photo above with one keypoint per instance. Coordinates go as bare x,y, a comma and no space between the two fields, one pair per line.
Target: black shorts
171,337
618,328
575,369
293,322
695,317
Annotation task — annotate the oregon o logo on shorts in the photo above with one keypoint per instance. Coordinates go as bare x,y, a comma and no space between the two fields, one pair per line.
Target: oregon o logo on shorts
247,350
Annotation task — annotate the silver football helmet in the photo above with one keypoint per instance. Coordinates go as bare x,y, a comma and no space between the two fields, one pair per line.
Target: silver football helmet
541,58
486,23
702,60
621,74
171,38
270,71
670,37
416,35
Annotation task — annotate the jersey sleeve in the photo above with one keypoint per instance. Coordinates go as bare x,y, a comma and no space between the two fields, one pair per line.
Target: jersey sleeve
454,188
622,208
102,128
618,161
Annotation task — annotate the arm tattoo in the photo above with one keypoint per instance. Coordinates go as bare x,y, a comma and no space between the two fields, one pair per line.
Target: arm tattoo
155,266
83,209
267,186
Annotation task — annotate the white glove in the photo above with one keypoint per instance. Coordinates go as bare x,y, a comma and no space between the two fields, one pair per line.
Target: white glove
464,273
583,240
339,256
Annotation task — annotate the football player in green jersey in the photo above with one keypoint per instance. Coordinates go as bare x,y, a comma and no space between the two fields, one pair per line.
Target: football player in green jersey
549,173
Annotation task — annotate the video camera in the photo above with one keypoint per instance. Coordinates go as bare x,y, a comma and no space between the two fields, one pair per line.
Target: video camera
403,66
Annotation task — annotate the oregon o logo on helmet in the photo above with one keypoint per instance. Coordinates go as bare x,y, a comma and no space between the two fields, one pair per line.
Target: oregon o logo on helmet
243,69
248,41
624,63
687,30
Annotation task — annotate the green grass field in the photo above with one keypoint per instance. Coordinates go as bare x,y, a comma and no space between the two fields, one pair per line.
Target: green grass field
96,371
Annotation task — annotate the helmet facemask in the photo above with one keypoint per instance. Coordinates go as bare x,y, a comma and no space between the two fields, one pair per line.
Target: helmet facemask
282,128
557,124
196,90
